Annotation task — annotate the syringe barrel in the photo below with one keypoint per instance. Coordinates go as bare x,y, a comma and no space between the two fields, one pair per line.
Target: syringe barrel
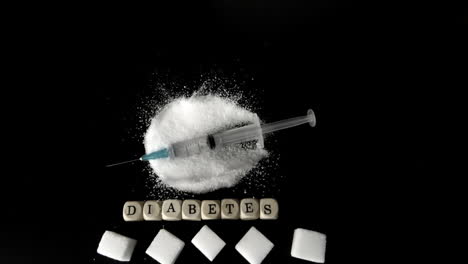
238,135
192,146
241,134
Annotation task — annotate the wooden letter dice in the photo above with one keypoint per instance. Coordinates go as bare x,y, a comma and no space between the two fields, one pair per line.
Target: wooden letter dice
249,209
210,209
191,210
152,211
268,209
133,211
172,210
230,209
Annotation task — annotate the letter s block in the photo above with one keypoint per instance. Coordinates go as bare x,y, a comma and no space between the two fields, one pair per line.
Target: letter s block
268,209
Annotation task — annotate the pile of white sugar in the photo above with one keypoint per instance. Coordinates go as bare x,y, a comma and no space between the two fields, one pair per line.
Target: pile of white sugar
189,117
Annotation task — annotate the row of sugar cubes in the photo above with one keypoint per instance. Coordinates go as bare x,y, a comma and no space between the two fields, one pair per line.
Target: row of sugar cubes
253,246
196,210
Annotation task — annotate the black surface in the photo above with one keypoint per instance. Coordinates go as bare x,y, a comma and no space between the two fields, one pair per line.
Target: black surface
91,66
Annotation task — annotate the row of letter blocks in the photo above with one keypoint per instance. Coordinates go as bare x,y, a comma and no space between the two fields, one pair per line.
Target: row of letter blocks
196,210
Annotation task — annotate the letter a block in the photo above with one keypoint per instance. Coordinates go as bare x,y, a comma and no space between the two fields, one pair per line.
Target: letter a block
172,210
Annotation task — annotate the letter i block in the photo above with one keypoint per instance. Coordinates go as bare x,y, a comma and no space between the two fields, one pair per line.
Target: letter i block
133,211
210,209
230,209
152,211
249,209
172,210
191,210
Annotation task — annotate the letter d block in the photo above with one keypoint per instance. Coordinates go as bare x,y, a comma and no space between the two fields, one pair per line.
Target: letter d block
133,211
249,209
191,210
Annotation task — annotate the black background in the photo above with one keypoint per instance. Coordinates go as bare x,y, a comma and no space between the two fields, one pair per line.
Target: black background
357,66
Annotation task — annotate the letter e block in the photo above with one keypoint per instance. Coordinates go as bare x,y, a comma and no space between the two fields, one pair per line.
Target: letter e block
249,209
210,209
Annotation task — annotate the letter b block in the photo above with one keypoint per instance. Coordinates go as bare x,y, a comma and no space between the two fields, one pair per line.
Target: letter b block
191,210
133,211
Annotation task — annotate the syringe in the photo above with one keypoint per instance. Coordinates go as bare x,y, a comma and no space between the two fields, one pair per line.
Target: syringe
221,139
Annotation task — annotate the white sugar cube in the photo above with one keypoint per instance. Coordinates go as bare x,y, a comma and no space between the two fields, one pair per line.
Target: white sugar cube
254,246
309,245
116,246
208,242
165,247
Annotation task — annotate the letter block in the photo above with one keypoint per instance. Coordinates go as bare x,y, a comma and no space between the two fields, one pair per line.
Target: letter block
210,209
133,211
172,210
268,209
249,209
191,210
152,211
230,209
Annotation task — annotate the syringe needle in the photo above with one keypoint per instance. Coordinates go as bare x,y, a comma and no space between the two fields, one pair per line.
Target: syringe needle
120,163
